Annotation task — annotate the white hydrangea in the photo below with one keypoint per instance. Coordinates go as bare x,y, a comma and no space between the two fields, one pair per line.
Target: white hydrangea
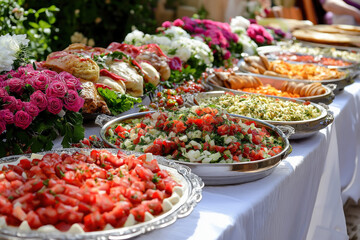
9,46
239,23
176,32
249,46
134,36
175,41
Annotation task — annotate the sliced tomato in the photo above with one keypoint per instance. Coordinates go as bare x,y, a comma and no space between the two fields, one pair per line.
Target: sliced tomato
94,221
153,205
33,220
139,212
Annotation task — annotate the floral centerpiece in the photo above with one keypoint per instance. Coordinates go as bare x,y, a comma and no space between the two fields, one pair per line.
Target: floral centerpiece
194,54
175,42
238,26
218,36
36,106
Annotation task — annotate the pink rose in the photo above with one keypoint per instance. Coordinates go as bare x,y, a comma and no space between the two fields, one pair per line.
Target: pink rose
166,24
31,109
40,81
55,105
227,55
16,85
51,74
260,39
56,89
22,119
2,126
73,102
12,103
39,99
70,81
7,116
175,64
3,93
15,74
178,23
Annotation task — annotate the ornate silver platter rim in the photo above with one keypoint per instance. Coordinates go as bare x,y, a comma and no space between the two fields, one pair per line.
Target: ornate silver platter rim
192,195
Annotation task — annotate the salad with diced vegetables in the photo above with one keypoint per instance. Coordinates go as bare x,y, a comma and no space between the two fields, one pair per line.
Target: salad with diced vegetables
198,135
263,107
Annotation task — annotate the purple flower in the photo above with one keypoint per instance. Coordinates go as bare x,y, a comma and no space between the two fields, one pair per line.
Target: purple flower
12,103
2,126
7,116
56,89
55,105
166,24
31,109
260,39
16,85
38,98
175,64
73,102
40,81
22,119
227,55
178,23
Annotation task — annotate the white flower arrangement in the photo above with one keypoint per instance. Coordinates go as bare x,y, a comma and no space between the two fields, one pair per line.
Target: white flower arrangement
238,26
9,48
175,41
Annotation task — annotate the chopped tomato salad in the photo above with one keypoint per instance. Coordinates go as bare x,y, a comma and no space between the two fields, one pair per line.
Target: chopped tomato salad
197,134
90,190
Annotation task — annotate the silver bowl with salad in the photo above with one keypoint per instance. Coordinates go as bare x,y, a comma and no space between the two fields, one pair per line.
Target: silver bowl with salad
220,148
305,117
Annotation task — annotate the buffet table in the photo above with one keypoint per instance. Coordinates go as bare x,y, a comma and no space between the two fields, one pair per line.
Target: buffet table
302,199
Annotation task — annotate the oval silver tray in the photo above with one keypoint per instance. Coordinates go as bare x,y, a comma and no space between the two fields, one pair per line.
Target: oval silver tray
226,173
325,98
266,50
340,82
188,201
303,128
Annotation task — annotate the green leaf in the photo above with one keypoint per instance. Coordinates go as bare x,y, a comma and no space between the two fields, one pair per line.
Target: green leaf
53,8
34,25
17,149
44,24
118,102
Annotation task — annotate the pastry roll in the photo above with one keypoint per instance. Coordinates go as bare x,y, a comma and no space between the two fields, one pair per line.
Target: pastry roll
84,68
134,81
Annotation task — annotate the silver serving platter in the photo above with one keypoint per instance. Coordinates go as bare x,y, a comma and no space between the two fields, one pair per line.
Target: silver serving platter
226,173
303,129
325,98
340,83
268,50
192,195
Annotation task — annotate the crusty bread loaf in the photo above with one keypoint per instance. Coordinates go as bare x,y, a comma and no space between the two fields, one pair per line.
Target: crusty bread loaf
84,68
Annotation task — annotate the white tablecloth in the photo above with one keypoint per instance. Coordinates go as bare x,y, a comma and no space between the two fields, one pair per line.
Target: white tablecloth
301,199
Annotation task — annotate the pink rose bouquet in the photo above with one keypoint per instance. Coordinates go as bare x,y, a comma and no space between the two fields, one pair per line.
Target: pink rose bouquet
37,106
217,35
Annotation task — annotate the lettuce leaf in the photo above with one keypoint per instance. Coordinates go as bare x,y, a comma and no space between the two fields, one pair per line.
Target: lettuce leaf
118,102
